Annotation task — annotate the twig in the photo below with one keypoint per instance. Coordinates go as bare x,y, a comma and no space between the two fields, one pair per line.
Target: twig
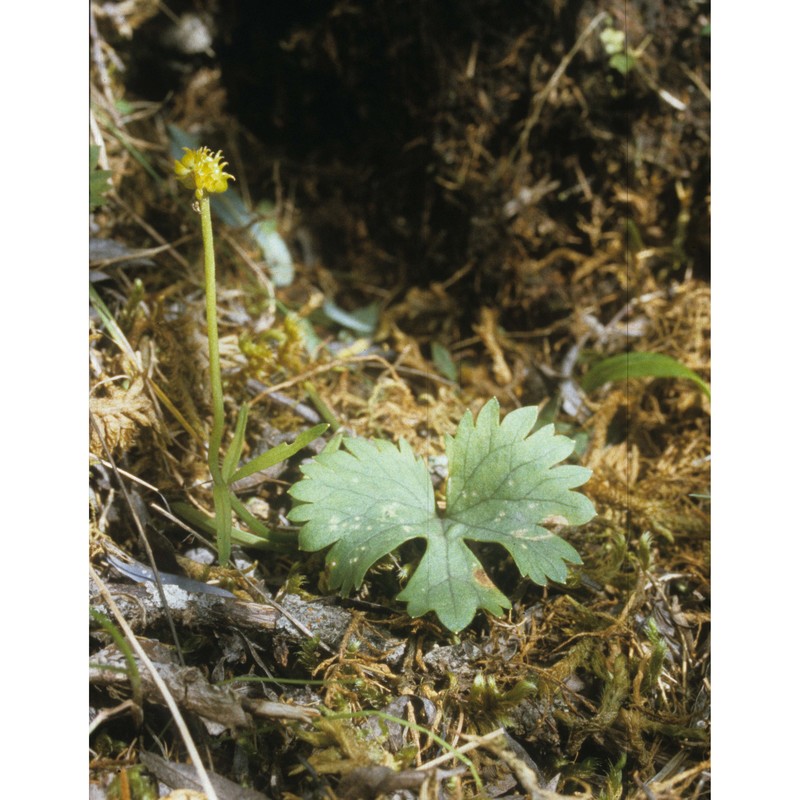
151,231
329,367
168,698
142,253
109,713
100,64
181,524
304,629
302,410
473,744
145,541
541,97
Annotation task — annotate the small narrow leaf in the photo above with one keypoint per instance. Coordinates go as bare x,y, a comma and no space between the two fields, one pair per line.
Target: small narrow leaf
265,537
237,444
280,453
444,361
639,365
363,320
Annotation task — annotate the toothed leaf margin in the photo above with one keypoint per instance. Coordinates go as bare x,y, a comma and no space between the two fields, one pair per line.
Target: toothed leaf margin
372,496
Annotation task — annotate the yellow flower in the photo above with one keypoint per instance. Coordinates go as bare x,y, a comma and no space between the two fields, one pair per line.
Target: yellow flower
202,171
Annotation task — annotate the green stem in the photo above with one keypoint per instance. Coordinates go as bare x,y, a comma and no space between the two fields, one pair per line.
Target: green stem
214,369
222,510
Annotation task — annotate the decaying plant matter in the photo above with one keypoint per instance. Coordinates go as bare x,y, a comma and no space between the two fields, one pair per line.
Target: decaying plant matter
431,210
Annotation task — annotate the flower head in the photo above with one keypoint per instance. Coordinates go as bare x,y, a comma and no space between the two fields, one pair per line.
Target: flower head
202,171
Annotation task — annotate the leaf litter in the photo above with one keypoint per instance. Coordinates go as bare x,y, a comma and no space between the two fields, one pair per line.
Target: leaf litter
601,686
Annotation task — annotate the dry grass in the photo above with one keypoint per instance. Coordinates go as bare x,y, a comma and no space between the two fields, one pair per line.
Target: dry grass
604,684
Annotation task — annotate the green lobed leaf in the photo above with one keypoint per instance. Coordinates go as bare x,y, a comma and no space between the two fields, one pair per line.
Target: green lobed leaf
371,497
366,501
501,486
451,581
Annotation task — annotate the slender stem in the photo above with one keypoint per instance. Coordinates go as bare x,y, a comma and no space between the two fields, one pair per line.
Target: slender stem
222,503
214,368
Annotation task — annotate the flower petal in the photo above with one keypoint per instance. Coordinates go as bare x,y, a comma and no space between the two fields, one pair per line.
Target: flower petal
203,171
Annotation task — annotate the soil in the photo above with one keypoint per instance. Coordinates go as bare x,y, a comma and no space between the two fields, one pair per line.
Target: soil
468,200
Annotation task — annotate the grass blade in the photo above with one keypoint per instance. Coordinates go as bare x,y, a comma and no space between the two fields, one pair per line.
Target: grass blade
639,365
